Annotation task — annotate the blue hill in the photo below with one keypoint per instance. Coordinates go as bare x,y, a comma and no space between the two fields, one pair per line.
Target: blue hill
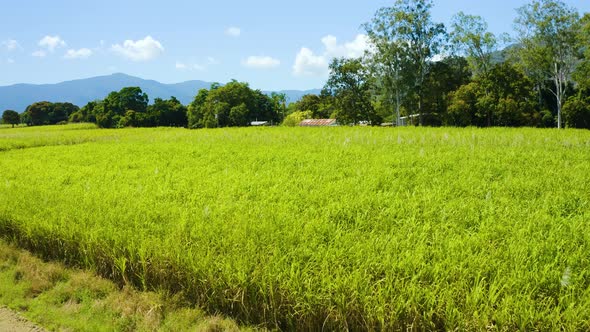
79,92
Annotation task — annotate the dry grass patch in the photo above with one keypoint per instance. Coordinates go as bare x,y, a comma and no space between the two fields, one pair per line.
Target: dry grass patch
64,299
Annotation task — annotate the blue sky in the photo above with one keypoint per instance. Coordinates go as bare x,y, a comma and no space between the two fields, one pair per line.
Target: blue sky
273,45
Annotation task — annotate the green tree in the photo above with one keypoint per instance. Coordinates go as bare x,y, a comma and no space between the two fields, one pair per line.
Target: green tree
321,107
234,104
511,101
132,98
471,39
350,84
105,116
422,39
37,113
295,118
167,113
279,104
582,72
577,112
505,98
175,115
11,117
309,102
463,105
196,111
444,77
221,100
389,60
60,112
84,114
406,40
238,115
25,118
108,112
548,32
130,119
327,106
220,111
265,109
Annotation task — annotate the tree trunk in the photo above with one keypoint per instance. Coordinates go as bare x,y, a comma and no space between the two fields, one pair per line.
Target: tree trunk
558,113
489,113
560,86
397,106
420,109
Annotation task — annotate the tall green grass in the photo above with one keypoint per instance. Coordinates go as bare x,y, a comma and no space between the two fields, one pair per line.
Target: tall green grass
310,228
30,137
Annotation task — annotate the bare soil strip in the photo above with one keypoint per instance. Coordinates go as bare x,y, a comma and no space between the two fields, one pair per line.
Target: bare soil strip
12,322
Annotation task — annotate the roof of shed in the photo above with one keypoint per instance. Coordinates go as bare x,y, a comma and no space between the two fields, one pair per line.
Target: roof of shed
317,122
258,123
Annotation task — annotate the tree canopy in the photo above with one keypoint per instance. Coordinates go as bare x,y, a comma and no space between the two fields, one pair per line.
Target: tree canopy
47,113
231,105
350,84
548,32
11,117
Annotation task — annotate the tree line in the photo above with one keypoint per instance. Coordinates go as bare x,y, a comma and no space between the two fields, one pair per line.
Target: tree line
41,113
419,71
416,71
233,104
130,107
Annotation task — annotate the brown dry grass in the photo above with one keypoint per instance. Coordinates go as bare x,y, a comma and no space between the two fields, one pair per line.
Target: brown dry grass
63,299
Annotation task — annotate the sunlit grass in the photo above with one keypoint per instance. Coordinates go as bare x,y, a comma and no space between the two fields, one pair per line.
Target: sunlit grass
359,228
30,137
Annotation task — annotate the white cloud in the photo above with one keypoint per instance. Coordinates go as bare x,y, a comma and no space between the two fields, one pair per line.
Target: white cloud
233,31
52,42
438,57
353,49
82,53
261,62
11,45
39,54
185,66
9,61
140,50
307,63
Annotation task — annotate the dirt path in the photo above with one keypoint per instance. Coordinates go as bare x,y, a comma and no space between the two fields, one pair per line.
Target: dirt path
12,322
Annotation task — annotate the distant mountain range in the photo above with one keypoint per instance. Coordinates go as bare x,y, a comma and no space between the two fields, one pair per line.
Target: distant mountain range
79,92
